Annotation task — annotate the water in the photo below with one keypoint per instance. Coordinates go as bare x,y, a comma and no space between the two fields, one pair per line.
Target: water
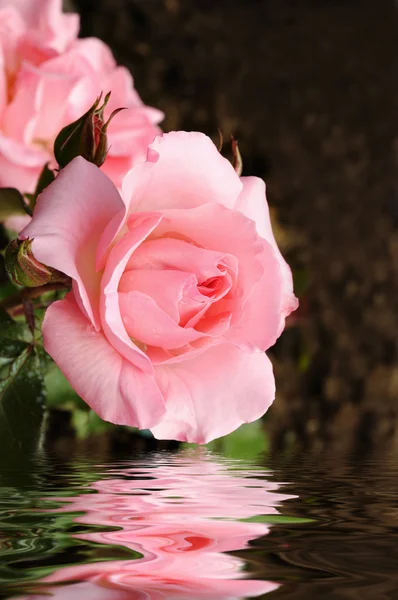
193,524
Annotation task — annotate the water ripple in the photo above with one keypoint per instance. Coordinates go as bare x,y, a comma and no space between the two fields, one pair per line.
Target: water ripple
162,526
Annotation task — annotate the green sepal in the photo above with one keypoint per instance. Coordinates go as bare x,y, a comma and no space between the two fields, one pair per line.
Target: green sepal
25,270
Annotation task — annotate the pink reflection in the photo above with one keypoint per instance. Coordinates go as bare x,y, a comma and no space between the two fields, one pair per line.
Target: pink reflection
181,521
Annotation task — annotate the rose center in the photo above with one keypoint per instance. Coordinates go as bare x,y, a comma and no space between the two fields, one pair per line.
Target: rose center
210,287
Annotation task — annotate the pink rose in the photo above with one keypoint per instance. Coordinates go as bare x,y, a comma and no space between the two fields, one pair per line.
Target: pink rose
49,78
178,290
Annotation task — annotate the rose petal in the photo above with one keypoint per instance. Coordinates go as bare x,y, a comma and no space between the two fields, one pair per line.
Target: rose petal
165,287
96,53
69,218
3,84
20,163
30,49
117,390
53,26
212,394
259,323
187,171
20,115
139,184
146,322
215,227
172,253
169,254
252,202
111,318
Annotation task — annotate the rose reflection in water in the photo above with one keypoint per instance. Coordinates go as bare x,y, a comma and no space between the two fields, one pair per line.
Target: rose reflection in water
182,520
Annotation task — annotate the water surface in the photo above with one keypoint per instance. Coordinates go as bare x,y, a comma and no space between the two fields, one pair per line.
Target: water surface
194,524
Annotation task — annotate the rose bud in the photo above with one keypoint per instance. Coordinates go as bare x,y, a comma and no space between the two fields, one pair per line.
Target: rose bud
85,137
25,270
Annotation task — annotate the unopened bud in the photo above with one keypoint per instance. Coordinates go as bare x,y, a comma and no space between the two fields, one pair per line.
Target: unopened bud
25,270
87,136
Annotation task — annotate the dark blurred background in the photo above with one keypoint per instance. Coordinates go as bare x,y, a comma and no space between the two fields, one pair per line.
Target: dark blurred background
309,87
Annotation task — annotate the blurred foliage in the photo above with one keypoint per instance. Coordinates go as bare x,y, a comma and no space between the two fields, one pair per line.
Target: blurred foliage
60,392
87,423
22,390
245,443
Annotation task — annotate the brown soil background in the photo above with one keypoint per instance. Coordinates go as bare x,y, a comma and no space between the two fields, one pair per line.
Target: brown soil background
309,87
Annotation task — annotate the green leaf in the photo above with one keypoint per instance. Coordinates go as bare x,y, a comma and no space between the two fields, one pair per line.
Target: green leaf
13,330
11,203
22,392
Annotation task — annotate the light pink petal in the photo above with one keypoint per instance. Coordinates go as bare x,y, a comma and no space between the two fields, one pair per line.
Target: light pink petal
20,166
259,324
137,180
129,135
52,90
120,81
12,29
61,28
3,84
128,144
214,393
97,54
131,132
166,287
20,154
12,25
117,390
20,115
188,171
154,114
111,318
116,167
168,255
252,202
172,253
29,49
215,227
146,322
40,107
257,302
68,221
46,18
73,76
70,76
